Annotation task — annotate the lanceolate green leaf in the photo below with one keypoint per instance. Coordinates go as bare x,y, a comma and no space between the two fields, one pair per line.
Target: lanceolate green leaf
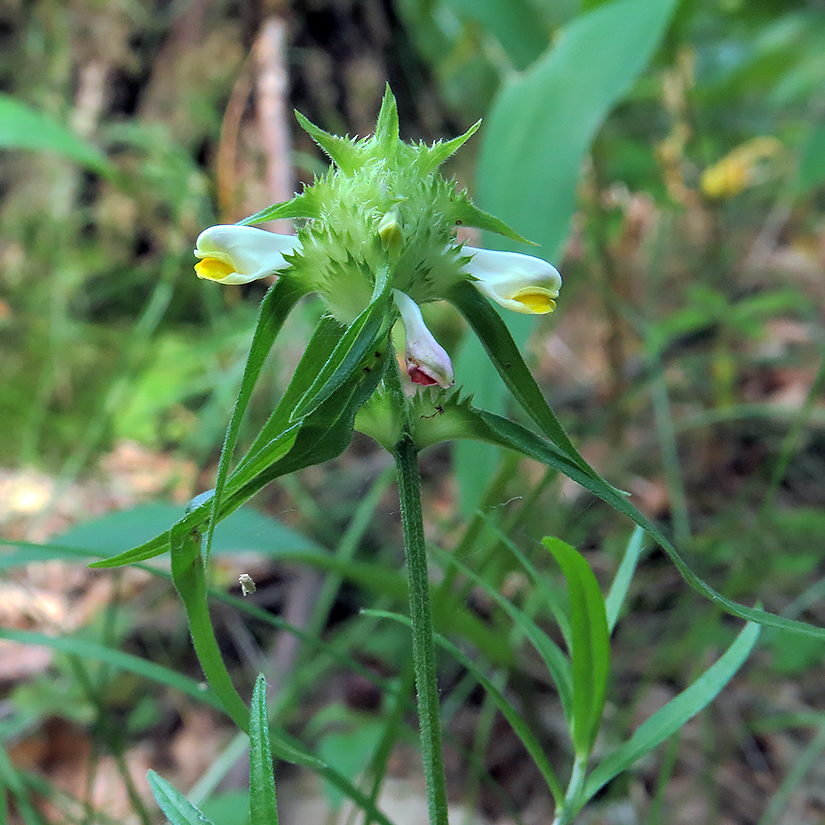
675,713
178,809
276,305
323,434
590,647
505,433
534,140
358,343
263,809
543,121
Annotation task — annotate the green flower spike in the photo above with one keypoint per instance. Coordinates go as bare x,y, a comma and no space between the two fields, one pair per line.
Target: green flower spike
382,207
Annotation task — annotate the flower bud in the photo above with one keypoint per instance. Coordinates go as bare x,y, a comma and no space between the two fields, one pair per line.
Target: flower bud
427,361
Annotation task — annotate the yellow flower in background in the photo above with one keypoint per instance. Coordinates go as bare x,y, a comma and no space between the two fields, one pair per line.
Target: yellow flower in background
736,171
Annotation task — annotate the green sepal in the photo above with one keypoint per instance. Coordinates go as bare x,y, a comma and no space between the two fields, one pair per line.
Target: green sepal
342,151
463,212
380,419
433,156
386,127
301,206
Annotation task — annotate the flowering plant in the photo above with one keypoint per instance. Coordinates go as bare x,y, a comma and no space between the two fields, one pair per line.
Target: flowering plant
376,241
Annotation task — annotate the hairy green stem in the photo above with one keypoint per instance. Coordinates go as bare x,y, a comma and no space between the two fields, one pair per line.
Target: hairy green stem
426,677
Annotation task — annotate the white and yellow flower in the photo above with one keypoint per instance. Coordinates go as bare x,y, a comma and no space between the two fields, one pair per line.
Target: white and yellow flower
240,254
522,283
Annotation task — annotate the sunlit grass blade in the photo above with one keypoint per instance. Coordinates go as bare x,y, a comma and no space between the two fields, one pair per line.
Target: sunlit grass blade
275,307
24,128
550,599
263,809
590,645
519,725
675,713
554,659
624,575
178,809
117,659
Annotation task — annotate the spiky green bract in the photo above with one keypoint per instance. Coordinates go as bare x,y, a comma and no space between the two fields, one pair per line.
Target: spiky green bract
342,245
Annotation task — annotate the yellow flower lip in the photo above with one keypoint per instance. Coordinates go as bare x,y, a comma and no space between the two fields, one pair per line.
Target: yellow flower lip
536,301
232,254
212,269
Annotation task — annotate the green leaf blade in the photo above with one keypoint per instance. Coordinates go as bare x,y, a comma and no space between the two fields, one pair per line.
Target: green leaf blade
590,644
178,809
263,809
677,712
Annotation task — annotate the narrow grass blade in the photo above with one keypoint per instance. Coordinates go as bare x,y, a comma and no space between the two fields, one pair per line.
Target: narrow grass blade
178,809
556,662
675,713
624,575
263,809
117,659
520,727
360,339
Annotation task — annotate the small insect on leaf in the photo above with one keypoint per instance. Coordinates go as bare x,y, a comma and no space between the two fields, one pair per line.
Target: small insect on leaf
246,583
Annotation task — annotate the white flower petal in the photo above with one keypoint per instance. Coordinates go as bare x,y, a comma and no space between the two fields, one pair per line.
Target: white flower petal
231,254
519,282
427,361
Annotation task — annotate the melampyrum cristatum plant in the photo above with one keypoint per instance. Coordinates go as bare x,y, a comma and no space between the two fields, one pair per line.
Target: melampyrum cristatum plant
376,240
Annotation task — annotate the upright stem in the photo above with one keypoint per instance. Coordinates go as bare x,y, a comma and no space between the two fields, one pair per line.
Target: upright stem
426,681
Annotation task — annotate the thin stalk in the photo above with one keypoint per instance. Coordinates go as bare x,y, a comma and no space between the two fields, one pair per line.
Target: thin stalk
426,677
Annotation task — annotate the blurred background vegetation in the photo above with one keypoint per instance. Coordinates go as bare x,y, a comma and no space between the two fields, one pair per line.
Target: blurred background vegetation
686,359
